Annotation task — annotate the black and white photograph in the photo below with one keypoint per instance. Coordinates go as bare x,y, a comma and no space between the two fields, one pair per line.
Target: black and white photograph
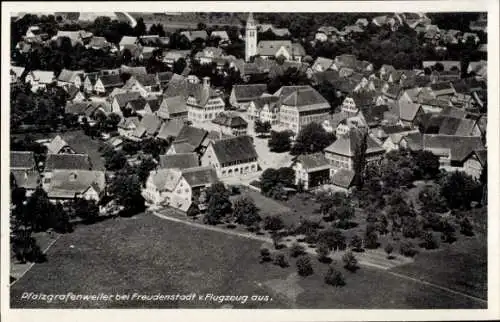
251,159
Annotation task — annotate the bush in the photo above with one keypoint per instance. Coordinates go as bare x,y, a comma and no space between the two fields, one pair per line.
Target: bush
430,241
357,243
466,227
448,236
235,190
388,249
407,249
371,240
322,250
297,250
304,266
265,255
280,260
334,277
273,223
350,262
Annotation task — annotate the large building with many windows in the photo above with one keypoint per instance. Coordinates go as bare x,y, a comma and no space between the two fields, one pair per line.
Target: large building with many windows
204,103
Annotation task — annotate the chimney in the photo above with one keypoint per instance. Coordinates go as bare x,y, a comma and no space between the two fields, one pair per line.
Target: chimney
206,82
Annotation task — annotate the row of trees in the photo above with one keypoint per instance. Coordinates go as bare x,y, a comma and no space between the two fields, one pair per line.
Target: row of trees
310,139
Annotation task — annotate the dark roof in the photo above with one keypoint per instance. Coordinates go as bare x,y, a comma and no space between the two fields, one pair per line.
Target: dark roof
263,100
123,98
164,77
22,159
191,135
343,178
313,161
78,108
154,103
303,98
137,104
201,93
179,161
233,121
249,92
172,105
391,129
68,161
28,179
146,80
362,100
199,176
459,146
441,86
170,128
235,149
111,80
374,113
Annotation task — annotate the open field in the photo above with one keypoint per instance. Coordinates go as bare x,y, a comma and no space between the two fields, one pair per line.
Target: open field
148,255
266,205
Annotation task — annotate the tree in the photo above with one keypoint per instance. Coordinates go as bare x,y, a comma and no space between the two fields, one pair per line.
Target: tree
388,249
322,250
25,247
357,243
280,260
18,196
333,238
304,266
411,227
432,200
265,255
273,223
115,161
219,204
262,127
280,141
297,250
112,121
140,27
179,66
312,138
144,168
407,249
274,181
466,227
459,190
350,261
427,164
85,209
334,277
126,188
430,241
276,239
245,211
359,160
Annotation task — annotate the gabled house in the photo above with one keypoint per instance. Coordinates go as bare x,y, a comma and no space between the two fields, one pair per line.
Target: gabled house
231,124
16,73
99,43
65,185
24,170
170,129
476,162
172,56
128,125
67,78
231,157
300,106
353,103
58,146
322,64
204,103
276,48
163,78
179,161
74,94
341,153
127,41
144,84
120,101
65,161
265,109
189,139
343,180
39,79
208,55
172,108
177,188
242,95
105,84
89,80
149,126
312,170
345,60
442,89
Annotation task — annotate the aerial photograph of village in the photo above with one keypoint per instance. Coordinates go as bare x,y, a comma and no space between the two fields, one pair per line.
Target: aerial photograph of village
248,160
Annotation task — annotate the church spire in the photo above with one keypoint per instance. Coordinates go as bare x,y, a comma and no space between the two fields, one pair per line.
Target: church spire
250,20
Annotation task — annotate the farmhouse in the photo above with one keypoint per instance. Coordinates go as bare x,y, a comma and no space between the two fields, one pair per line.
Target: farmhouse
59,146
65,185
231,124
105,84
242,95
231,157
312,170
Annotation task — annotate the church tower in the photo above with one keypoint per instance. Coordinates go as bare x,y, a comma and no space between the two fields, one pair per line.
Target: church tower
250,38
